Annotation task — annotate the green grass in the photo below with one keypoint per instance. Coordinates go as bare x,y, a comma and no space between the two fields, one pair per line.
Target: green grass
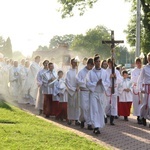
21,131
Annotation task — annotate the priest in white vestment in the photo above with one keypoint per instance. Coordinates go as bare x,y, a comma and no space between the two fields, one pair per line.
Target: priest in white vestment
72,89
85,95
135,73
31,85
97,83
144,85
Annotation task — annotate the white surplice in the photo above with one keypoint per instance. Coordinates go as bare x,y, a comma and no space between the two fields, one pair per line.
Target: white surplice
136,95
84,96
97,95
73,98
39,99
144,85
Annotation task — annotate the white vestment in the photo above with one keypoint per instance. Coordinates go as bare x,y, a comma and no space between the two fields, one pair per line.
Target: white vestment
144,84
60,88
14,82
39,99
97,95
84,96
48,87
31,85
123,95
112,107
136,95
73,98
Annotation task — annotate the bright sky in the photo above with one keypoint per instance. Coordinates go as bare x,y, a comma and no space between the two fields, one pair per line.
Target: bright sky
30,23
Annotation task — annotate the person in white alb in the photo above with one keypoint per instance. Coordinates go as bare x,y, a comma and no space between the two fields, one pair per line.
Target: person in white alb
112,108
72,89
39,99
144,85
125,96
136,94
97,83
85,94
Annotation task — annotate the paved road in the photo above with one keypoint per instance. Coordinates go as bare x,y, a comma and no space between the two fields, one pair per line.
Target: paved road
124,135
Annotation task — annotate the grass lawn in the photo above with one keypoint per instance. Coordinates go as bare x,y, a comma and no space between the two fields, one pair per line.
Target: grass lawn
21,131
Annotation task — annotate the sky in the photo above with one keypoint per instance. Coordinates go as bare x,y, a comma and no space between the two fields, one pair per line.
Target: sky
30,23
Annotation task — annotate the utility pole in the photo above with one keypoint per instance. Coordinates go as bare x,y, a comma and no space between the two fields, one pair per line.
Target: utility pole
138,28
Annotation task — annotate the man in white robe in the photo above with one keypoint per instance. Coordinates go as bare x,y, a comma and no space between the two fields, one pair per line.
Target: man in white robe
112,107
31,85
39,99
144,85
136,94
14,81
85,95
82,64
97,83
72,89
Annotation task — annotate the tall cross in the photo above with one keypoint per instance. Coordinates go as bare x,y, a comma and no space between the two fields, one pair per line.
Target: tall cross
112,42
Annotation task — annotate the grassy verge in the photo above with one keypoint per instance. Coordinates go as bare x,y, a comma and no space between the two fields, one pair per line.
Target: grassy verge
21,131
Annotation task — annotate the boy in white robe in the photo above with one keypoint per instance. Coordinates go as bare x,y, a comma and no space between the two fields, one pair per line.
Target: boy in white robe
136,93
48,80
72,89
60,92
125,96
144,85
112,108
85,94
97,83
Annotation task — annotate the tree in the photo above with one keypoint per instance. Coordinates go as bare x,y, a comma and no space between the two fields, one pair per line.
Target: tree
145,25
7,48
1,44
67,6
56,40
90,43
42,48
17,55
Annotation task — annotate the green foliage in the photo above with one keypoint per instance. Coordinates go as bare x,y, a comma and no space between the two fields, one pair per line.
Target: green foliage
7,48
145,25
68,6
42,48
56,40
17,55
91,42
19,130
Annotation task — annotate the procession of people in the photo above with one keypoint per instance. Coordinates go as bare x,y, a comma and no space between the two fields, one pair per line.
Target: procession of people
82,95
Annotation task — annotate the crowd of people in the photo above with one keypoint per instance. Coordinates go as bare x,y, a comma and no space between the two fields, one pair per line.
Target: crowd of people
82,94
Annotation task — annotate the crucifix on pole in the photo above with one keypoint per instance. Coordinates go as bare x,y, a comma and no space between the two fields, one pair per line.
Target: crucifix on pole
112,42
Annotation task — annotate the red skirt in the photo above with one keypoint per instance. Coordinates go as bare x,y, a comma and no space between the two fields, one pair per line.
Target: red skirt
124,108
62,114
47,105
55,108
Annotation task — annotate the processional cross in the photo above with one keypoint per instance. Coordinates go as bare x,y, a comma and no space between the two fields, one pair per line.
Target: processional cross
112,42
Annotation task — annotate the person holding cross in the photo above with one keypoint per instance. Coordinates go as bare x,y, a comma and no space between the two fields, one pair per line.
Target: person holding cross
112,108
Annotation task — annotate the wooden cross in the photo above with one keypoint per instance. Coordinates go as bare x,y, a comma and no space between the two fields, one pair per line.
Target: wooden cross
112,42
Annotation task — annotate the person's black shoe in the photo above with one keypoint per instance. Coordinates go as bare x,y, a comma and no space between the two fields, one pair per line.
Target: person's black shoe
40,112
77,123
112,120
126,118
139,121
82,124
69,122
105,119
90,127
144,121
96,131
116,117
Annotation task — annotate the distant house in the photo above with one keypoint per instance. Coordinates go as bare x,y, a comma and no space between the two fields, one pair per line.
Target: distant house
58,53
